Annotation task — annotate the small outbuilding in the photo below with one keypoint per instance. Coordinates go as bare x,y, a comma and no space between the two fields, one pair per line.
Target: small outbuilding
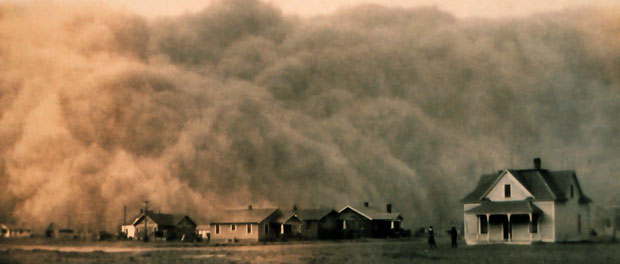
4,231
369,222
204,232
167,227
318,223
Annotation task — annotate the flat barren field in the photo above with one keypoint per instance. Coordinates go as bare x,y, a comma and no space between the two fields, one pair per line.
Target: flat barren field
365,251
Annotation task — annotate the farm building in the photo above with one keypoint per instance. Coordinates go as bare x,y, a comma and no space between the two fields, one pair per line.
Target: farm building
245,225
7,231
606,222
522,206
20,232
318,223
289,225
53,231
129,231
168,227
308,223
204,232
368,222
4,231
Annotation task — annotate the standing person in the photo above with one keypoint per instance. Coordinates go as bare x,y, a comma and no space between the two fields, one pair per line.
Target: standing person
431,237
453,235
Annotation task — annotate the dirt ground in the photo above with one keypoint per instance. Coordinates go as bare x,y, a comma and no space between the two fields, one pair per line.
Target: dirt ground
367,251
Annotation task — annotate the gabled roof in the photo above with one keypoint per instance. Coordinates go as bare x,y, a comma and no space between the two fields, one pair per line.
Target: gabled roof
243,216
313,214
288,216
374,214
544,185
164,219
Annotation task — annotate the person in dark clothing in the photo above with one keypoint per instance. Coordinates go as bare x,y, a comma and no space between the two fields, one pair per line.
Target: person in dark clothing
453,236
431,237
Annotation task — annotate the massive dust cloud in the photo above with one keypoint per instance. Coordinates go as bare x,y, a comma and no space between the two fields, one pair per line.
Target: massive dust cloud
242,104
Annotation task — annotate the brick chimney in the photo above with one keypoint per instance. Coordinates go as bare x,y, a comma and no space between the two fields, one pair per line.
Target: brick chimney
389,208
366,204
537,163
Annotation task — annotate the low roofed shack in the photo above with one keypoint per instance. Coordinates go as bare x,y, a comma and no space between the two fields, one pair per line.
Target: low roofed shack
204,232
369,222
317,223
169,227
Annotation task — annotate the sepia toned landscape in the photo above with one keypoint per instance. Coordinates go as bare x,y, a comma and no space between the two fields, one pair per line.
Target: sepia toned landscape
368,251
276,131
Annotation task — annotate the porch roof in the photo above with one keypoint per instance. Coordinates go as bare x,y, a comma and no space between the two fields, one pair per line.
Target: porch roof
510,207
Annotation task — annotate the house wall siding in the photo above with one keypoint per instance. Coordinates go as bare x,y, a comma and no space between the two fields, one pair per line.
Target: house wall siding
240,233
357,225
546,222
567,218
471,225
327,226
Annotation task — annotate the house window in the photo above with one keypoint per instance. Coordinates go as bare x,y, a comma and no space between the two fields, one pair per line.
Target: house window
249,228
392,227
482,227
507,190
266,228
233,227
579,223
571,192
217,228
534,226
344,224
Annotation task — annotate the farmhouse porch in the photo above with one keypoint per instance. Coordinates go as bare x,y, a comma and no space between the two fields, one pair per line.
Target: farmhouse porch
507,222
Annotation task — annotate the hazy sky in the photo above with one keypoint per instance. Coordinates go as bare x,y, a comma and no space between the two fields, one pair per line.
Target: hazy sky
486,8
461,8
238,104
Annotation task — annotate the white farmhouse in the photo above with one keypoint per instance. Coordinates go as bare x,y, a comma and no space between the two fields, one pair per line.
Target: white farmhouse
524,206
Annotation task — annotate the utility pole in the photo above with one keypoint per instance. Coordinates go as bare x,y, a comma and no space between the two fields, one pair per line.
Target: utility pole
146,231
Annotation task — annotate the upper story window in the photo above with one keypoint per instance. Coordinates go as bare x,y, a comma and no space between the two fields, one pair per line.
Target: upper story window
233,227
507,190
217,228
249,228
571,192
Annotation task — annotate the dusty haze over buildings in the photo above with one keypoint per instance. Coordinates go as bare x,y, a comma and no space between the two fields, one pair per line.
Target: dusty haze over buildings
241,103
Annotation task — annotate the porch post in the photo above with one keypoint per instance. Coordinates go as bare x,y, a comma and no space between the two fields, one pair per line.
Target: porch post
531,226
479,227
509,229
488,228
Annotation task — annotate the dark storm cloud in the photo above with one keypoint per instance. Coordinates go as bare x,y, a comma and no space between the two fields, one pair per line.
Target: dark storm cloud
239,104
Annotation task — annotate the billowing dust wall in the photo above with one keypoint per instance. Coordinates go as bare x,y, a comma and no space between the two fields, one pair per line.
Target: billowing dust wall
241,104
